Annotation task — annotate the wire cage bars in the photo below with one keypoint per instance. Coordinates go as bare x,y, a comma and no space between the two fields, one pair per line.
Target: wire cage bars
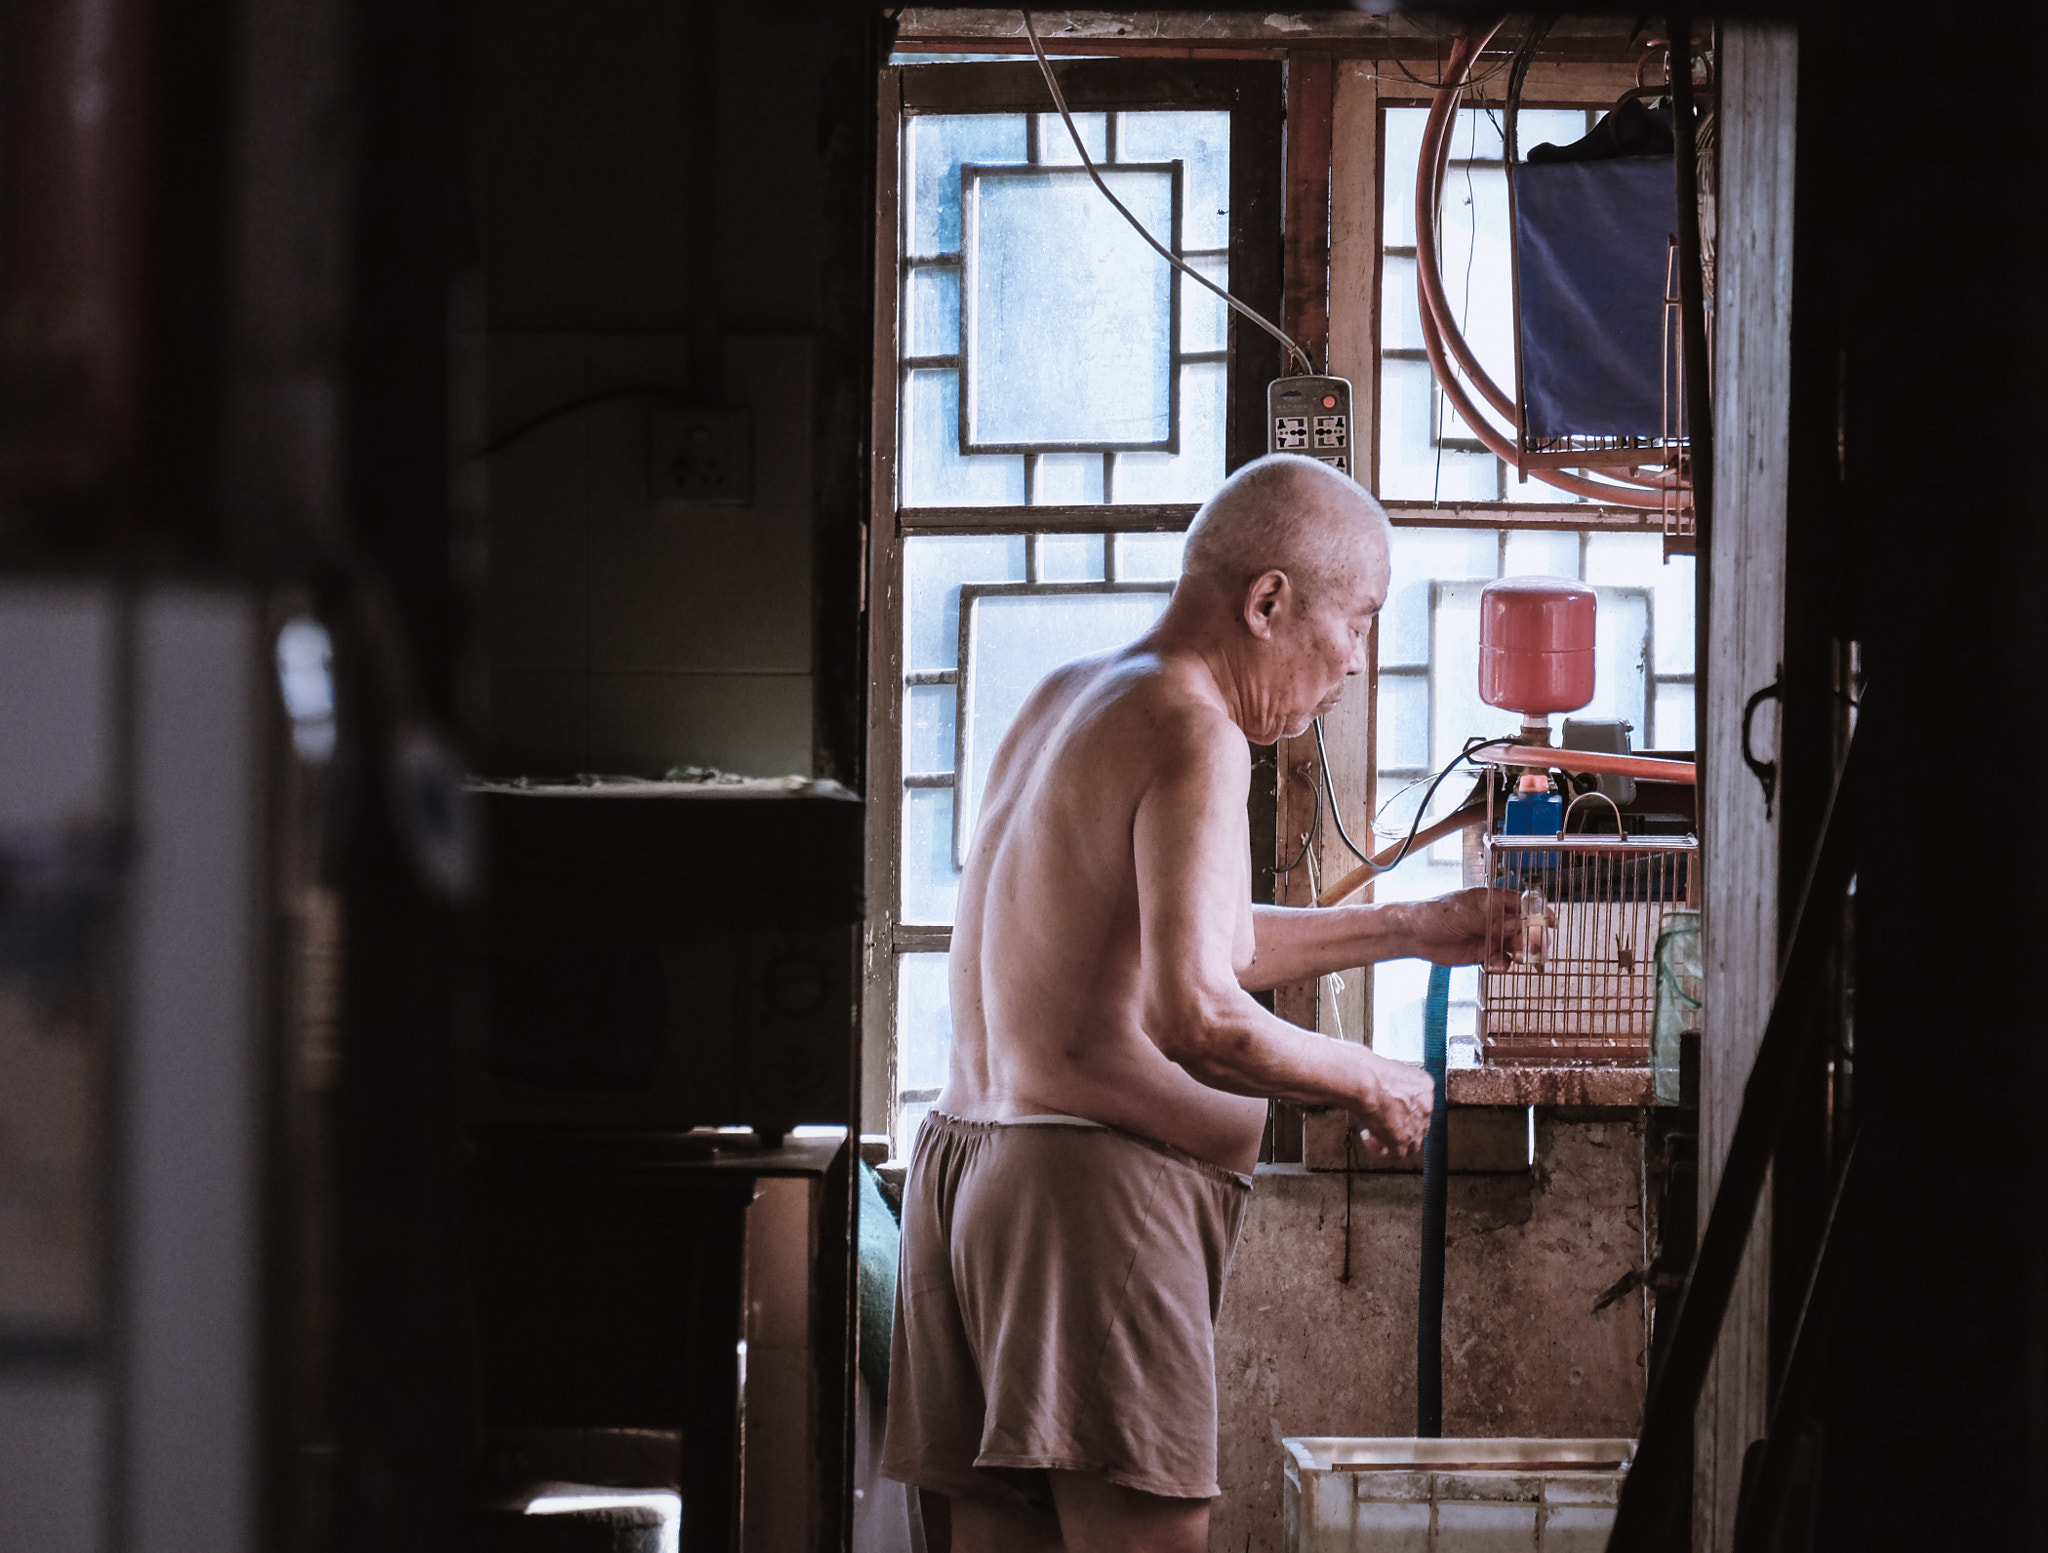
1589,996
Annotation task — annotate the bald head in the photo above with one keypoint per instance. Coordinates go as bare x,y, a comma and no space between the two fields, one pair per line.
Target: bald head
1289,514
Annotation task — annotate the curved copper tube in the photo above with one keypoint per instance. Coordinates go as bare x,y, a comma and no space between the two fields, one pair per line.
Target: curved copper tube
1462,818
1430,167
1438,326
1542,756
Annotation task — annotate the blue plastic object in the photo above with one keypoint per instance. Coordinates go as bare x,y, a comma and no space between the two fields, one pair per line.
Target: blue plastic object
1429,1332
1533,814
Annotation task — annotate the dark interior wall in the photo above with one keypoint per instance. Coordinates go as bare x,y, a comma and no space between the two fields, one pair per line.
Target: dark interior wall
1939,1371
672,197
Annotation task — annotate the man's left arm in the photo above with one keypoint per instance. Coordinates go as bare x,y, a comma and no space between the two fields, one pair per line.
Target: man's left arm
1296,943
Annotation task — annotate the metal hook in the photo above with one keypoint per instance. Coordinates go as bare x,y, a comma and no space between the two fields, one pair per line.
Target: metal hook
1766,770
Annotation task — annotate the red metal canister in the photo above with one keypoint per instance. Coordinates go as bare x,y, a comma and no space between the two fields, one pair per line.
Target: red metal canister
1536,645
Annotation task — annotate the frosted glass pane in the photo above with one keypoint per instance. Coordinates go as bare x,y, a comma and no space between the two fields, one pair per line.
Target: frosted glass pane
1673,727
1067,480
1402,147
1477,134
1676,628
1204,320
908,1119
1056,145
1633,560
930,881
1476,257
928,727
1411,467
1070,557
934,472
1201,143
933,149
1539,554
1400,308
1069,314
1401,987
1404,720
1454,677
1149,557
1554,126
932,321
1420,555
1534,491
1014,641
934,566
1192,474
924,1022
1637,560
1621,635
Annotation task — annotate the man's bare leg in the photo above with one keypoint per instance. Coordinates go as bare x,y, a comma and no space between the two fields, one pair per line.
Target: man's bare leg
1093,1517
991,1526
1101,1517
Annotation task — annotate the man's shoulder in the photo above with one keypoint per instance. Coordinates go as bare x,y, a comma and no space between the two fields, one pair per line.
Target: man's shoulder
1168,713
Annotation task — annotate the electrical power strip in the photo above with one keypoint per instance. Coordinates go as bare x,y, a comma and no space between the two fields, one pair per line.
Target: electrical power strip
1311,416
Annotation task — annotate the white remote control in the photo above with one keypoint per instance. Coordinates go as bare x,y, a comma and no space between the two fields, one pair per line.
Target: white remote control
1311,416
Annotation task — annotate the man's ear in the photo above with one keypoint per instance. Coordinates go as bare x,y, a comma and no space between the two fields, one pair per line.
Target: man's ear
1263,600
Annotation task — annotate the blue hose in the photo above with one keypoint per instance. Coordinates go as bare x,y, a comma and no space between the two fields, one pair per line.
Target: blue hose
1429,1329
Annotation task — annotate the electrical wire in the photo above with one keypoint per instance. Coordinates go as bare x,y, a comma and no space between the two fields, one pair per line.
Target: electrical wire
1472,747
1336,814
1059,100
1437,86
1314,823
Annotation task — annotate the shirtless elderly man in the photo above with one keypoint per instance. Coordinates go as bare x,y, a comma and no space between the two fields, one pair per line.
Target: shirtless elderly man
1075,1197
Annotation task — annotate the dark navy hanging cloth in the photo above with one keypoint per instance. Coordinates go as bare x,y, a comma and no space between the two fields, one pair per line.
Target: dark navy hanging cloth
1591,243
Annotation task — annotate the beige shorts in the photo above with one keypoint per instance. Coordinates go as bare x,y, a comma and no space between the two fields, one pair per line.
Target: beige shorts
1056,1309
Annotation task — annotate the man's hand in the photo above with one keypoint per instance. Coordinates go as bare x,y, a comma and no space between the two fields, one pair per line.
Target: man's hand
1395,1119
1472,927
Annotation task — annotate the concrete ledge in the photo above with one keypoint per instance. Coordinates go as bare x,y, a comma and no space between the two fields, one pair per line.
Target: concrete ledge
1632,1087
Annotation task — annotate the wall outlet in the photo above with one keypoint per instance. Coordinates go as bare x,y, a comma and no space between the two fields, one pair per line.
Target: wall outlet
701,456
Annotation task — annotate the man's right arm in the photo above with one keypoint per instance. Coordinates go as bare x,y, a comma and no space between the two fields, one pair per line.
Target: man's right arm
1189,844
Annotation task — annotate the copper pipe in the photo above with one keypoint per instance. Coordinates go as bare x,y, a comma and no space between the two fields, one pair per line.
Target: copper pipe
1437,324
1460,819
1542,757
1436,152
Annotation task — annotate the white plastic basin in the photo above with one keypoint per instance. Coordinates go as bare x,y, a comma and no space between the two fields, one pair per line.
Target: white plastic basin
1452,1496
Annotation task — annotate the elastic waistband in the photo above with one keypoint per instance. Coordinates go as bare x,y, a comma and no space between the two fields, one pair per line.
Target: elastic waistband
947,1122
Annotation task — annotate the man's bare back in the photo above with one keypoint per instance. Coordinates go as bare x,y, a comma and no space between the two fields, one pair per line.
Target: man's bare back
1046,943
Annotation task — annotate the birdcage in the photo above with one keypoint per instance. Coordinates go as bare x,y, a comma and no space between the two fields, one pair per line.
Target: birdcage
1582,988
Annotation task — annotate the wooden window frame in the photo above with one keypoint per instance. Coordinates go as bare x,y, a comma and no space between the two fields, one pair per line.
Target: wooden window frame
1325,165
1251,92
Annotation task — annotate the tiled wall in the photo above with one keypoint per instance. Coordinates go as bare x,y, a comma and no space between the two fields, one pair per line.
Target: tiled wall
629,634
